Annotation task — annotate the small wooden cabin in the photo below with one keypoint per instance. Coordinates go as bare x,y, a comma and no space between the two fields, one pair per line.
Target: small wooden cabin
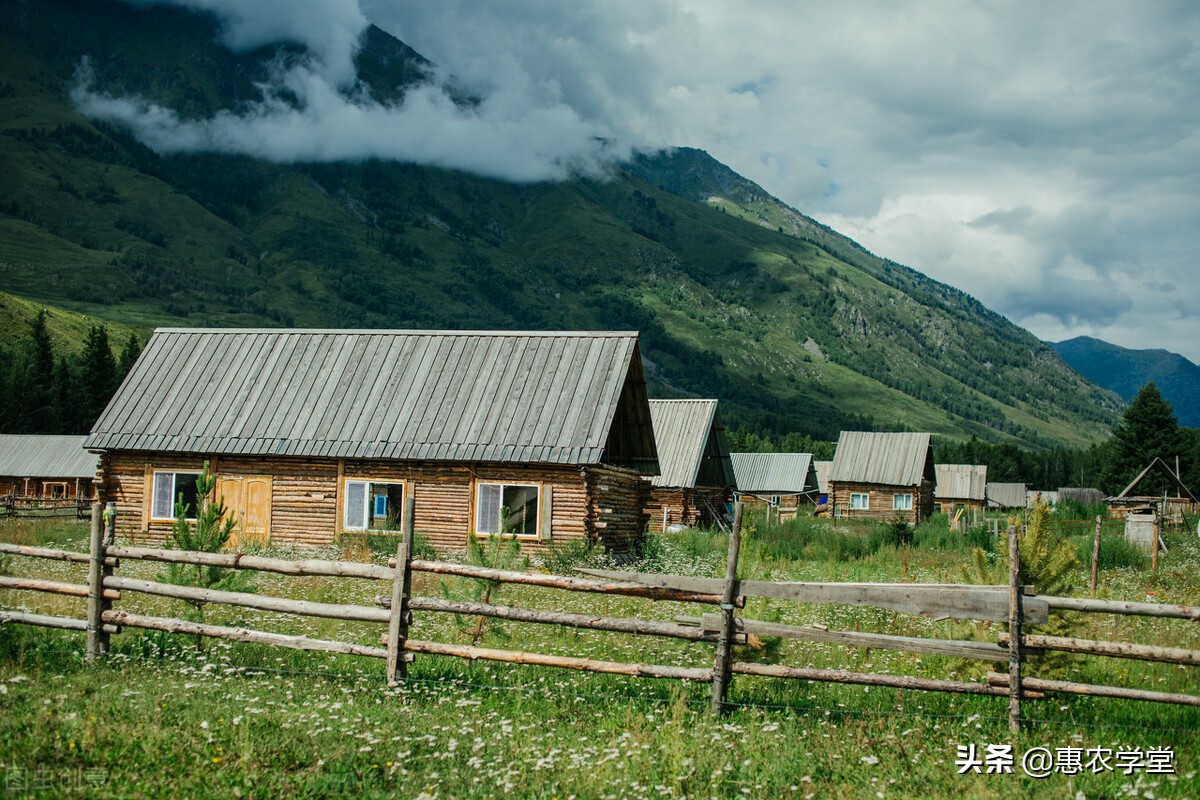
882,476
695,480
318,433
41,467
781,481
960,486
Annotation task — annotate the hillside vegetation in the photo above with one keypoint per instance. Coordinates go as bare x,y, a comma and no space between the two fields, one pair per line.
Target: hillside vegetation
792,326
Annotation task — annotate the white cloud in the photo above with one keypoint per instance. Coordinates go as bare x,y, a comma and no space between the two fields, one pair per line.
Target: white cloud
1045,158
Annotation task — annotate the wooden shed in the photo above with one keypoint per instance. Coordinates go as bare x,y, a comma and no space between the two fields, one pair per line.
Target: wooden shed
695,480
318,433
882,476
960,486
781,481
1173,504
40,467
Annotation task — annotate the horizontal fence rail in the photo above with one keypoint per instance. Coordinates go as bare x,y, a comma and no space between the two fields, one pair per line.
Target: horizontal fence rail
1016,605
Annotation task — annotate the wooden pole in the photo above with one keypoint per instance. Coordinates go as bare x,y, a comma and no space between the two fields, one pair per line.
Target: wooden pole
95,607
864,678
1123,607
720,674
53,587
45,552
1095,556
106,567
241,634
261,602
1095,690
398,622
1014,630
1154,548
698,674
1141,652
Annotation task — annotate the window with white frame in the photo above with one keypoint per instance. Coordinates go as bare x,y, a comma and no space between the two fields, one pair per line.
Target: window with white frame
171,489
860,501
902,502
372,505
507,508
774,499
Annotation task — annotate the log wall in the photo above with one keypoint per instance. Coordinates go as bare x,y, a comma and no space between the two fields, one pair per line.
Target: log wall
601,503
881,501
684,506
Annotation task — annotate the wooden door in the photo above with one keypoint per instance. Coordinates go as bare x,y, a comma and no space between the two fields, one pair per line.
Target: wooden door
248,502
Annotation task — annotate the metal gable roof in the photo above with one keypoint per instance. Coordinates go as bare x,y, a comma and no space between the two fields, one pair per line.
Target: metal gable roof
889,459
961,481
683,430
1006,495
540,397
774,473
38,456
822,470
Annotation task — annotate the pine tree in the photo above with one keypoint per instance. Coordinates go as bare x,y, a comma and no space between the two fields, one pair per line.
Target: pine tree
129,355
97,378
1148,429
35,380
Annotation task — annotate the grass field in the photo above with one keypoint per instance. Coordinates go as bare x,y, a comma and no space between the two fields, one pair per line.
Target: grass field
164,718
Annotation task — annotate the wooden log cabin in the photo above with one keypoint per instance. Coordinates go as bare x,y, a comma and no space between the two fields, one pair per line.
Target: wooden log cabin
961,487
883,476
316,434
41,467
695,482
780,481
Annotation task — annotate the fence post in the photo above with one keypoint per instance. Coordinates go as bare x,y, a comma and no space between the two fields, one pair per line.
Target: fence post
1096,555
397,664
720,678
1014,630
95,607
109,539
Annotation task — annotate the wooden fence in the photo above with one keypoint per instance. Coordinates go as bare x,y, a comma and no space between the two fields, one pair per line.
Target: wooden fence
13,505
1014,604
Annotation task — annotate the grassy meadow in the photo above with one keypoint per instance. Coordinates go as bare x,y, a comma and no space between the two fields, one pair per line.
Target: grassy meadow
166,716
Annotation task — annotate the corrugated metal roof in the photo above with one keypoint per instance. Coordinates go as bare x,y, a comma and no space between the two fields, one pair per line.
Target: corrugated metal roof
1006,495
528,396
822,469
774,473
37,456
685,431
890,459
961,482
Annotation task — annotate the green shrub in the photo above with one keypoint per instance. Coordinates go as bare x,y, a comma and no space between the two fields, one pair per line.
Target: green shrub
1115,552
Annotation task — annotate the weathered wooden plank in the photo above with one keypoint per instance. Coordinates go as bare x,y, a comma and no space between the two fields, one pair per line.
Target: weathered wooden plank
261,602
48,621
563,618
867,679
629,588
52,587
1095,690
343,569
44,552
981,651
697,674
1124,607
1142,652
242,634
956,601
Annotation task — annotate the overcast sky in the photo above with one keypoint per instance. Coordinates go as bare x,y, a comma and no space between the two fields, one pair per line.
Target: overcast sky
1044,157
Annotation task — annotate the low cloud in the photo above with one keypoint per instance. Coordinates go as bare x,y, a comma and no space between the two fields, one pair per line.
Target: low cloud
314,112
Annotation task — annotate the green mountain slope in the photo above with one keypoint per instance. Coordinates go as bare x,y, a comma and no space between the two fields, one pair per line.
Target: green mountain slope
792,326
1126,371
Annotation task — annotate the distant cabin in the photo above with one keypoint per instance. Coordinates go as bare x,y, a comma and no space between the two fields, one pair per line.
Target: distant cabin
314,434
781,481
822,469
1175,502
1006,495
960,486
46,467
882,476
695,481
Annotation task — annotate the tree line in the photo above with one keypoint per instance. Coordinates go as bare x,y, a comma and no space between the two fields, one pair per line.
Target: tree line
43,390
